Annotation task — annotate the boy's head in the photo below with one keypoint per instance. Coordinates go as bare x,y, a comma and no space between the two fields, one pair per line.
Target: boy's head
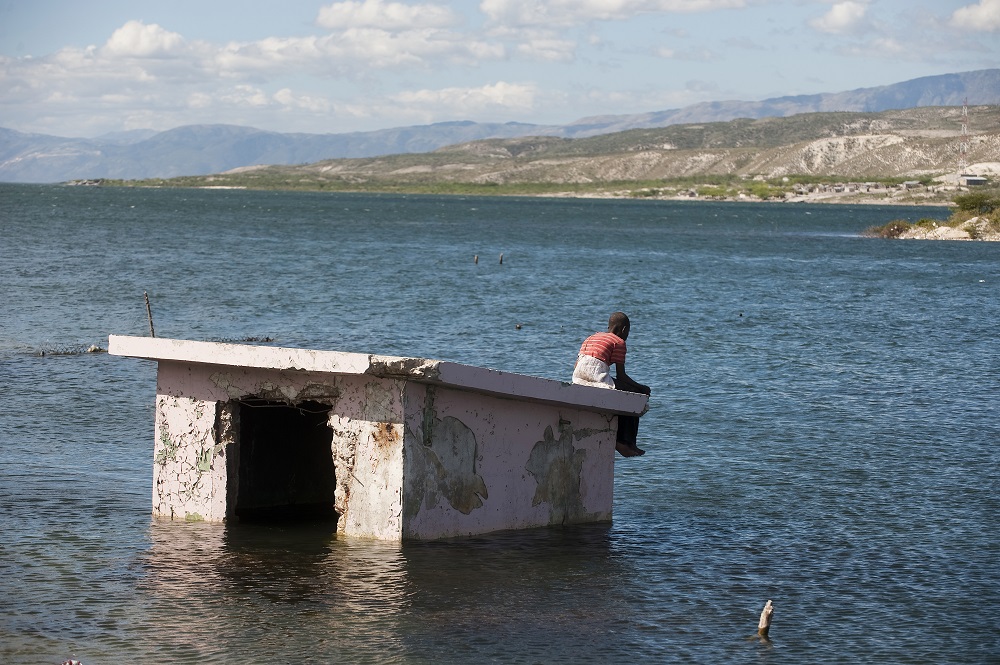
618,324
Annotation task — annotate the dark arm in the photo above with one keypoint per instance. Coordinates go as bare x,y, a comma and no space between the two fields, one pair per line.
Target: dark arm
624,382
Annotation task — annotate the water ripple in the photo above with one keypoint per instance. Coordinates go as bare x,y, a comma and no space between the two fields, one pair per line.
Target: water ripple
822,430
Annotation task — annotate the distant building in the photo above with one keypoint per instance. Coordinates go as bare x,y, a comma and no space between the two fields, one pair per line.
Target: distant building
972,180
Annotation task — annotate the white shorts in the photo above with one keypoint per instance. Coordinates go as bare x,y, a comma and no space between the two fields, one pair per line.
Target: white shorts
592,372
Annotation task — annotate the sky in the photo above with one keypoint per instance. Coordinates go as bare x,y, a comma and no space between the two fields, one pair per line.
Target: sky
85,69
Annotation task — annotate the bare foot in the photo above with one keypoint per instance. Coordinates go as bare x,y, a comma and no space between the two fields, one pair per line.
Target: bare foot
625,450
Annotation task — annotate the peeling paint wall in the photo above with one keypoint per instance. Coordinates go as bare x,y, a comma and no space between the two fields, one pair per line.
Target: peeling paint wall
475,464
415,454
189,466
196,452
368,452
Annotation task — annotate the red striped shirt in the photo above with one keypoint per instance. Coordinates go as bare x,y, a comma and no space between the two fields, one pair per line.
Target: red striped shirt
607,347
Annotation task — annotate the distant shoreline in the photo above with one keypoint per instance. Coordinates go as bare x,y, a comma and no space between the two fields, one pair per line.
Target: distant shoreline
817,192
850,198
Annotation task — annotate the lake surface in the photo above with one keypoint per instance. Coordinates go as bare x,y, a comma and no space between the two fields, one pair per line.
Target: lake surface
823,431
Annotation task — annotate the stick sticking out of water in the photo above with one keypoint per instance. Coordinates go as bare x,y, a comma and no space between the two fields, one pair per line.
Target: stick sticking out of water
764,625
149,315
501,258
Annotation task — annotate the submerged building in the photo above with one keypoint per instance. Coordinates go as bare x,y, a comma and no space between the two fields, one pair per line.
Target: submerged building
392,448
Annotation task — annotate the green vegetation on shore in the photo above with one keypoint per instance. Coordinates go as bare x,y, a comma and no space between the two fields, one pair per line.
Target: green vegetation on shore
718,187
980,207
268,181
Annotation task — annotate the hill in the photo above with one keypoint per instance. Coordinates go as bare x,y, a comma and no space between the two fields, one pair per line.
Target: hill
976,87
905,144
206,149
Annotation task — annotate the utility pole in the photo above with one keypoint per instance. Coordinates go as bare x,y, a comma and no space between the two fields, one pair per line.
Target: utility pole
963,147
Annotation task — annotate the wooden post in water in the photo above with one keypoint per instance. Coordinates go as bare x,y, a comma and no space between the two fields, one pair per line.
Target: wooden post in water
149,315
764,625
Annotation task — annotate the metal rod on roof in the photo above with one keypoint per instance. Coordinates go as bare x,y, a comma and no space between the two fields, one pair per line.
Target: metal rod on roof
149,315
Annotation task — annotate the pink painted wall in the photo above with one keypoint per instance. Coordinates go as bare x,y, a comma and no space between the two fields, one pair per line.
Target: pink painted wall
475,464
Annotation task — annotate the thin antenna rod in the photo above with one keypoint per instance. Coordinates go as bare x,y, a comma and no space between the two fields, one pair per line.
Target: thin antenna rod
149,315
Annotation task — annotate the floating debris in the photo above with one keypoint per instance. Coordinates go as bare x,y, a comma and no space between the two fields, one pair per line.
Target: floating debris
71,350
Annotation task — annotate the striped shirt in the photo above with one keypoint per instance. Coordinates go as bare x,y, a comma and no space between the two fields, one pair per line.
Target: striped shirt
607,347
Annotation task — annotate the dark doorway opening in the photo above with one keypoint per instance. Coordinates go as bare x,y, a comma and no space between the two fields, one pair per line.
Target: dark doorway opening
286,470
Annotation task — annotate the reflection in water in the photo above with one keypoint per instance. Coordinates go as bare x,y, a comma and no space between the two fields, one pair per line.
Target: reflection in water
214,592
516,596
199,573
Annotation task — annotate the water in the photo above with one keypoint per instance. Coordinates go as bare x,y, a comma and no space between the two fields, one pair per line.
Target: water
823,430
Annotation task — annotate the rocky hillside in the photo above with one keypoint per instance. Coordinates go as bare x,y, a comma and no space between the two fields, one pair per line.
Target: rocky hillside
909,143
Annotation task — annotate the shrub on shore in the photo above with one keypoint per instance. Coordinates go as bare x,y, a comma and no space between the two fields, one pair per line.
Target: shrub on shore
977,213
984,206
977,204
898,227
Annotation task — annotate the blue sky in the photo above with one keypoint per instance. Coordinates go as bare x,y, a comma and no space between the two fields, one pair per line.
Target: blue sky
89,68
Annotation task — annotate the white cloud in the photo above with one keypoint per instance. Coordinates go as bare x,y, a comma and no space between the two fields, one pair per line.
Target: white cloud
378,48
843,17
391,16
343,71
889,46
200,100
289,100
267,54
142,67
879,47
244,96
250,97
545,45
982,17
353,51
138,40
461,102
575,12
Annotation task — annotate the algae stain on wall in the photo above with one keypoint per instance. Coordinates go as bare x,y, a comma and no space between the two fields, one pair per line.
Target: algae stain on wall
443,466
557,466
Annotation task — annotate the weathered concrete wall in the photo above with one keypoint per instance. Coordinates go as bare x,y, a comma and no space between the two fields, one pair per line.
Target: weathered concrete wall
368,456
476,463
195,465
189,461
419,448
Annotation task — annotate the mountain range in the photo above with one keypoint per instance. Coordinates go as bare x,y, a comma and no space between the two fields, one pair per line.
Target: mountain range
907,144
207,149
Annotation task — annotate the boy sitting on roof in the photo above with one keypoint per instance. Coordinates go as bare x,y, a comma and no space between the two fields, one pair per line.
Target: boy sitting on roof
593,368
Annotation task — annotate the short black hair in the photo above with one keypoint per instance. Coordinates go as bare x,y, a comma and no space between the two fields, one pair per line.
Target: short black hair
618,320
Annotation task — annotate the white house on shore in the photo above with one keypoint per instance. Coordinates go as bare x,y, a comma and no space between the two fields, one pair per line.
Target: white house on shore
969,180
